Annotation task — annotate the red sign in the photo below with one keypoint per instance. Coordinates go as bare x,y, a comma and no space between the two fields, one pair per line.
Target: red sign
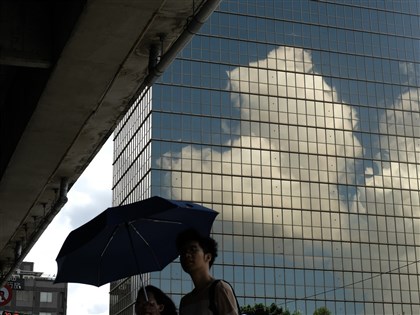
5,294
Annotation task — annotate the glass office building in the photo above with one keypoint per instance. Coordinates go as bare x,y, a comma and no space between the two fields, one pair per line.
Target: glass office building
299,122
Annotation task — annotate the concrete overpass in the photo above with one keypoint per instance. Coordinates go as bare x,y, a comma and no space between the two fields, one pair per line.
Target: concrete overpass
69,70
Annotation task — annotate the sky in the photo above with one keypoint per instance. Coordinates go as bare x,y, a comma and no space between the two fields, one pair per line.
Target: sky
89,196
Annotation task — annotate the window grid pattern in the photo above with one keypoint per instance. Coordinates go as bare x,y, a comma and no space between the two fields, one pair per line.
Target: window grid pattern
132,152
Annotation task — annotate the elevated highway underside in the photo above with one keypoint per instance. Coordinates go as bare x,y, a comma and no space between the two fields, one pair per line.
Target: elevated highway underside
69,70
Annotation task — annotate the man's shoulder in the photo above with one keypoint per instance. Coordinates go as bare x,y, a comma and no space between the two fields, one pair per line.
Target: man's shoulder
223,298
222,284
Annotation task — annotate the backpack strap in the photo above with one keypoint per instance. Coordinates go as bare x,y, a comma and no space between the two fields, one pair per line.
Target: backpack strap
212,304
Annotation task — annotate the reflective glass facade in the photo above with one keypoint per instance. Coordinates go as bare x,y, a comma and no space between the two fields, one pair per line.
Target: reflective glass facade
299,121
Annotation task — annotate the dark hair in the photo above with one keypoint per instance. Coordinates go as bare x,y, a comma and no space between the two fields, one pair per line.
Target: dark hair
208,244
161,298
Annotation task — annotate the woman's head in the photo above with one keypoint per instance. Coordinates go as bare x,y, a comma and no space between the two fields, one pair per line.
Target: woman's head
158,303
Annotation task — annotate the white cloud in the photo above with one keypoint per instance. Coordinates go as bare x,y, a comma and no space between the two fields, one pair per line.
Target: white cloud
89,196
313,127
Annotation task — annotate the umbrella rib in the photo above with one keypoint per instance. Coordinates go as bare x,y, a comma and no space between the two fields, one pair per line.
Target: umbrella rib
146,242
109,241
104,250
156,220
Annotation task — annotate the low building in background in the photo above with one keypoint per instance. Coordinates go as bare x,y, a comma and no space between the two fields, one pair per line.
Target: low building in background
29,292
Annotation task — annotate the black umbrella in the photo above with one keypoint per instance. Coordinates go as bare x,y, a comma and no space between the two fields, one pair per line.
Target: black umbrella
128,240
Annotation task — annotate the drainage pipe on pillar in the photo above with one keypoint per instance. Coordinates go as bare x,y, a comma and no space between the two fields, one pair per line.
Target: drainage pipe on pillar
192,28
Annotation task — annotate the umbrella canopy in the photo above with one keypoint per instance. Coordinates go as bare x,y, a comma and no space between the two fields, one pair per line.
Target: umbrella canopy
128,240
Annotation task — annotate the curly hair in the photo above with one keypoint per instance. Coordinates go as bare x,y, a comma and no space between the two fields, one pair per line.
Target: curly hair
208,244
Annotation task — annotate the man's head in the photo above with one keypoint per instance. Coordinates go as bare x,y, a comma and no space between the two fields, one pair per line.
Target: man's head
207,244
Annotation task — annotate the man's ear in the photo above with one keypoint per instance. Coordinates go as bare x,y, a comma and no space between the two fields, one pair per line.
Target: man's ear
161,307
207,256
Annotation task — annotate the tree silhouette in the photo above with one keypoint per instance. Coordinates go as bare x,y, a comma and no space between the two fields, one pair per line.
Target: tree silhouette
273,309
322,311
261,309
